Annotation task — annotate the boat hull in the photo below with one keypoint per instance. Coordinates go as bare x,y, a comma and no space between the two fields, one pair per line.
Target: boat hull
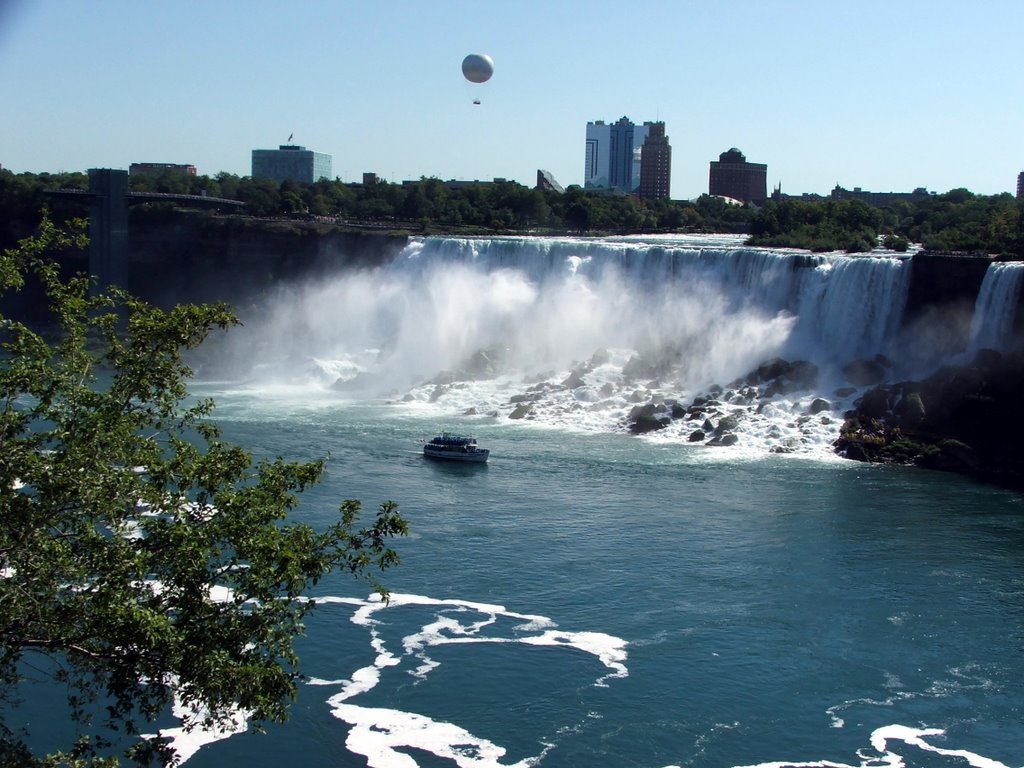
474,455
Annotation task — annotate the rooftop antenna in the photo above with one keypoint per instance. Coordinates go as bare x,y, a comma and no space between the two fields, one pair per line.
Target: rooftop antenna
290,135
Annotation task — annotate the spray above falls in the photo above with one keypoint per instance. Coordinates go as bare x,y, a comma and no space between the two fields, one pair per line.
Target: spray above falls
582,330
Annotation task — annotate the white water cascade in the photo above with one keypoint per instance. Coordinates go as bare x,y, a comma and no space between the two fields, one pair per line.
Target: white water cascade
996,307
574,333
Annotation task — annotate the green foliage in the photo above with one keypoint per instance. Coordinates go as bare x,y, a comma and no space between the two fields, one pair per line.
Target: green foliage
955,221
847,225
143,558
896,243
426,204
961,221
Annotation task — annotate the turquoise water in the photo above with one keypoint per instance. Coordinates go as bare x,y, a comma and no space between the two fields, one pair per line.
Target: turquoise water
602,600
592,599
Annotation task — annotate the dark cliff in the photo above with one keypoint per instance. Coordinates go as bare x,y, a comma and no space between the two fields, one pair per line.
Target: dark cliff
177,256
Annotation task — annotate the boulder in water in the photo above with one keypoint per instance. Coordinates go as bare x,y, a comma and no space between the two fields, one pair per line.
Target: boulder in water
727,423
648,418
818,405
724,440
521,411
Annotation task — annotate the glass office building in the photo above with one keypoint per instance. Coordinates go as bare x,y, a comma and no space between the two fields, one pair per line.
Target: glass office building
290,162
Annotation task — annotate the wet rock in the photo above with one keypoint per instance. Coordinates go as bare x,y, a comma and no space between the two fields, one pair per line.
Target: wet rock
724,440
648,418
521,411
866,373
874,404
727,423
909,411
574,380
529,397
818,405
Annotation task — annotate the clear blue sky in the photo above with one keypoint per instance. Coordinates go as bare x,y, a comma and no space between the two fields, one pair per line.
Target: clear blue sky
887,95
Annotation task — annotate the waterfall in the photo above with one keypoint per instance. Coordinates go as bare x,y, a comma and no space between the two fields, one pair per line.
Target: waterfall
712,306
575,333
996,306
841,307
853,307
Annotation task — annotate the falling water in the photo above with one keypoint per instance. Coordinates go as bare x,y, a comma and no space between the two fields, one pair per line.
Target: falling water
996,307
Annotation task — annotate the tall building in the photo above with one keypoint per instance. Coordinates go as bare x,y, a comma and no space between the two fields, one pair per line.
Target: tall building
290,162
613,155
595,172
655,163
732,176
1020,185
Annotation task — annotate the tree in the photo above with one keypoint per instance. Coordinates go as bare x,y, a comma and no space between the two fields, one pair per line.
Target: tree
142,558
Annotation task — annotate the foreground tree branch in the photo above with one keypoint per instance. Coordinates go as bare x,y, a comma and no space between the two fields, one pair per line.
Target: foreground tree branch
144,556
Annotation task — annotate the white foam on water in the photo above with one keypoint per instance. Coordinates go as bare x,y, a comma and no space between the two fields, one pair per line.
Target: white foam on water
379,733
187,739
885,743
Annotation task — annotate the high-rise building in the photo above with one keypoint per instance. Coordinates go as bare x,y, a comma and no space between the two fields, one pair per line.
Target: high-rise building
732,176
613,155
655,163
595,172
290,162
1020,185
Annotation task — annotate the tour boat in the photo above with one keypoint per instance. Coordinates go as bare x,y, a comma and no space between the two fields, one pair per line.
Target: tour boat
455,448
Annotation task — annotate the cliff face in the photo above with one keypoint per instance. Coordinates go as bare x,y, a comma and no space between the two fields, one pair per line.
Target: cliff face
938,280
181,257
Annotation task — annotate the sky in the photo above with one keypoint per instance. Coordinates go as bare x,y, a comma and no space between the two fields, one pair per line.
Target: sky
886,95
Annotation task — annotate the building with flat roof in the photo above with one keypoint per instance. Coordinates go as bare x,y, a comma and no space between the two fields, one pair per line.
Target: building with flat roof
655,163
732,176
290,162
613,155
878,199
155,169
1020,185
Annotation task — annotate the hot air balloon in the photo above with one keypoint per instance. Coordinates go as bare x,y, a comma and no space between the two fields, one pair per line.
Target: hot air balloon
477,68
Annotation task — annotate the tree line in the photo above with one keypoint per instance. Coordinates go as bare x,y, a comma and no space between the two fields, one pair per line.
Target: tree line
958,220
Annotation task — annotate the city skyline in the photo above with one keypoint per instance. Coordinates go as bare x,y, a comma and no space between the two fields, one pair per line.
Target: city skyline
887,96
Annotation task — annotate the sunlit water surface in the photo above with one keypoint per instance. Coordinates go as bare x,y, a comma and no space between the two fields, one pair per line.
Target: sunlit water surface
604,600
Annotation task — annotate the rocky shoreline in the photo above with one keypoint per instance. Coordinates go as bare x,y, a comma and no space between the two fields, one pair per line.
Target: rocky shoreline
964,418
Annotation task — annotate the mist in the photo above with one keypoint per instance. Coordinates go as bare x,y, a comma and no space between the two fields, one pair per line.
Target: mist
397,327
